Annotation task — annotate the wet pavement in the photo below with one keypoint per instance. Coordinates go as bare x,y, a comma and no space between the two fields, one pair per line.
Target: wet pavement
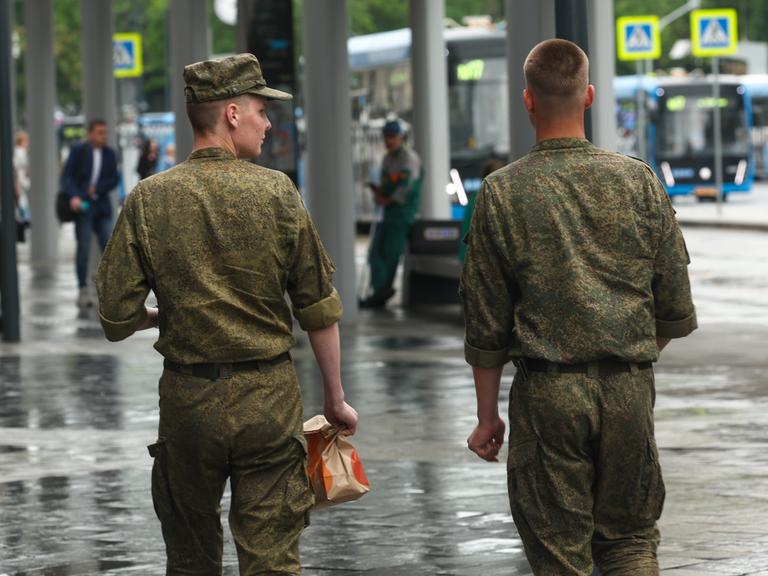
741,210
76,413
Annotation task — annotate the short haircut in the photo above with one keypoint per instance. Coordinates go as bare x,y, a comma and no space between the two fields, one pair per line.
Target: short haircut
94,123
557,69
204,116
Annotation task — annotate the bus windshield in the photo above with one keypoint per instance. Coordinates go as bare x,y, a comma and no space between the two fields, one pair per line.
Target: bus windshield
477,97
686,119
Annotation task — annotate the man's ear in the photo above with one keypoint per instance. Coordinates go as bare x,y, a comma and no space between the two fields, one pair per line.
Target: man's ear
232,114
589,97
528,101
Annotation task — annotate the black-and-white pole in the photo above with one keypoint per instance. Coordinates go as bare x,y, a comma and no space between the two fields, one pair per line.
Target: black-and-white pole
717,128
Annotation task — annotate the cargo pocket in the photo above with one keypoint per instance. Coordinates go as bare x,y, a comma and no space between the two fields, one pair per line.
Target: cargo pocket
652,492
299,498
161,489
530,495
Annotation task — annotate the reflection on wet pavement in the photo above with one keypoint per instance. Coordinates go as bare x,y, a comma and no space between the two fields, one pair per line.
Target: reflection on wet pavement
76,414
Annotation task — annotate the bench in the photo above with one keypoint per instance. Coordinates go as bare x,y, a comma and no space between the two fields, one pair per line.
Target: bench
431,267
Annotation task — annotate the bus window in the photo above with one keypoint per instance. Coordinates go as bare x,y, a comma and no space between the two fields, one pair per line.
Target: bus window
685,124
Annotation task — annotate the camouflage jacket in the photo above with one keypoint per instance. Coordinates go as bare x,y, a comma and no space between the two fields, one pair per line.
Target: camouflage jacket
574,256
220,241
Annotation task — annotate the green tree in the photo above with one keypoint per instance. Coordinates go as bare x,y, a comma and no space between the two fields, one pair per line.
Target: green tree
223,36
369,16
66,54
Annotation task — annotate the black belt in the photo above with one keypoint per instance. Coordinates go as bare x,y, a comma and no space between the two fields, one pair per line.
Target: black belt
216,370
598,368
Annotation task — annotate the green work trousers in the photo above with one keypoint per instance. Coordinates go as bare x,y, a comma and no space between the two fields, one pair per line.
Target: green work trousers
246,427
584,479
387,247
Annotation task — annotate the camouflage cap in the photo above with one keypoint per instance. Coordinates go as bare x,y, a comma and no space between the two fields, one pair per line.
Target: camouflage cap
227,78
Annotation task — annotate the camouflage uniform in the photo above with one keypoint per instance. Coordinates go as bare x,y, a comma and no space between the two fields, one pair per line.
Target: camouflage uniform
576,264
220,241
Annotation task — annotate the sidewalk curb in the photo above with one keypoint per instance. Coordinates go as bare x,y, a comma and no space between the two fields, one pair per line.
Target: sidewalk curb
751,226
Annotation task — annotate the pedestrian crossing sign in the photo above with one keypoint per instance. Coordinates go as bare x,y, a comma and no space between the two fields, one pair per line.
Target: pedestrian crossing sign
638,37
714,32
126,53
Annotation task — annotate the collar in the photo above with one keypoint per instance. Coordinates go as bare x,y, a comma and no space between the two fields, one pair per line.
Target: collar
397,151
213,152
562,144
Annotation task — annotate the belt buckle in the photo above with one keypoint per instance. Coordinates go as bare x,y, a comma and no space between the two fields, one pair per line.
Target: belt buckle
223,370
216,371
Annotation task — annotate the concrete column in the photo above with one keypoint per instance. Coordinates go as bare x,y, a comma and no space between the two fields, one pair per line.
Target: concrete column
40,100
98,81
11,14
528,23
329,149
602,71
429,77
244,10
190,43
9,280
99,88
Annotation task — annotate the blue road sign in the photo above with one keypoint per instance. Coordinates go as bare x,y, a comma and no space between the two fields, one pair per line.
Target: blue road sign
714,32
126,49
638,37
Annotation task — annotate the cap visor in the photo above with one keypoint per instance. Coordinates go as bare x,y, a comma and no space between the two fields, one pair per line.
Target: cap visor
271,93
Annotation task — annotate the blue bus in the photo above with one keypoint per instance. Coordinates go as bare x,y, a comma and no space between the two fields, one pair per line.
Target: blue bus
679,131
679,112
757,88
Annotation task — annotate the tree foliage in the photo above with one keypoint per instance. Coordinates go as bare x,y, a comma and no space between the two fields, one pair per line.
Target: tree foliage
150,18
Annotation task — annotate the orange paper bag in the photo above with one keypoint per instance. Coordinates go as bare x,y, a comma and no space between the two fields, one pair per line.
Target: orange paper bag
334,468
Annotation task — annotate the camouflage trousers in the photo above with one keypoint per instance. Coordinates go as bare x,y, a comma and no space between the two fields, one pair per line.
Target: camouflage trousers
584,479
246,427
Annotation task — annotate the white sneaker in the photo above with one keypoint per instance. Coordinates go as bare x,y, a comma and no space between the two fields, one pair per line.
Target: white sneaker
84,299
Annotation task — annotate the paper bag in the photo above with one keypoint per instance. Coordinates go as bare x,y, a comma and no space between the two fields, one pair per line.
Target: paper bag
335,471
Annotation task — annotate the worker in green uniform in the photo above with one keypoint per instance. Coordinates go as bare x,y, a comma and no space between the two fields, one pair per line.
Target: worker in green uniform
398,194
220,241
577,271
489,167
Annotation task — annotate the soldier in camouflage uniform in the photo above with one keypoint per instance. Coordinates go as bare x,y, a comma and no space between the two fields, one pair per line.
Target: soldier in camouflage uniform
577,270
220,240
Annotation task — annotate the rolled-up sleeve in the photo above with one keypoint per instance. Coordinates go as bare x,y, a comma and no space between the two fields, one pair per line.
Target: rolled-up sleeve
486,293
315,302
121,282
674,309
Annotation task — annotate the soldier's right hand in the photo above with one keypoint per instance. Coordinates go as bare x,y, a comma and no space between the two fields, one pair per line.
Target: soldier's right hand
342,416
75,204
486,439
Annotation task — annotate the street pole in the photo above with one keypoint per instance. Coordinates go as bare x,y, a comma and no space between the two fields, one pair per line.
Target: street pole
640,118
571,24
678,13
9,281
718,134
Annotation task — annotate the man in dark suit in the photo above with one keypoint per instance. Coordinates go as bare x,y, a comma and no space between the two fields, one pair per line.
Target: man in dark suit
89,175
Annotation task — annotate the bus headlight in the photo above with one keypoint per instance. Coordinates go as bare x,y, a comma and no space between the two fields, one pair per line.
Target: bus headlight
457,187
669,178
741,172
705,173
